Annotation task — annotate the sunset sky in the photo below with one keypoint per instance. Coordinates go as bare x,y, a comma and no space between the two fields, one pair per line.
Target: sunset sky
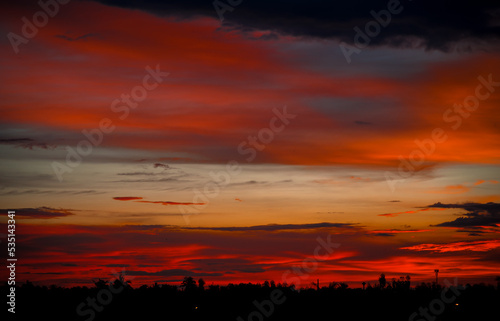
157,139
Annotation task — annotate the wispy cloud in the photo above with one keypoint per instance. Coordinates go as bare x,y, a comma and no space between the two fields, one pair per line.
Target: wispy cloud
279,227
27,143
475,246
482,181
452,189
410,212
68,38
161,165
172,272
40,212
462,188
167,203
394,232
140,200
127,198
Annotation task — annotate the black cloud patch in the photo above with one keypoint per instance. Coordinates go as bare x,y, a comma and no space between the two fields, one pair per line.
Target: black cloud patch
26,143
67,38
477,214
423,23
172,272
40,212
277,227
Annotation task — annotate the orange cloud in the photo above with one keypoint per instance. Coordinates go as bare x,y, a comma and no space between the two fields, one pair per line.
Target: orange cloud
461,188
482,181
452,189
411,212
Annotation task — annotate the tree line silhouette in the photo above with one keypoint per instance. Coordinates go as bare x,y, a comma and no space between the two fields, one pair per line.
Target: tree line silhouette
195,300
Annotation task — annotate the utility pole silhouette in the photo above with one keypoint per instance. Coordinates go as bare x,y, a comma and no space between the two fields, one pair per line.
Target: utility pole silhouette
436,271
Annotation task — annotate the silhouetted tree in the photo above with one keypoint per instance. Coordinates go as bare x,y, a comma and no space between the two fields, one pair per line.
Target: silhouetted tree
201,284
121,282
214,288
407,282
382,280
100,284
476,302
188,284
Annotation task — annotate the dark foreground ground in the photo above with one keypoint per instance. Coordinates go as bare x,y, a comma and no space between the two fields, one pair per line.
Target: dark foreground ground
118,301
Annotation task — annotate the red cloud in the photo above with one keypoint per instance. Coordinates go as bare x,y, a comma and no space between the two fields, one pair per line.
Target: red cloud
127,198
394,231
170,203
477,246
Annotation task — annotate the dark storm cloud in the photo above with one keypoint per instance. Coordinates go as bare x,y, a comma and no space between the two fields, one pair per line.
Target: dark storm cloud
56,192
384,234
40,212
172,272
233,264
277,227
28,143
74,38
268,227
477,214
425,23
161,165
71,244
